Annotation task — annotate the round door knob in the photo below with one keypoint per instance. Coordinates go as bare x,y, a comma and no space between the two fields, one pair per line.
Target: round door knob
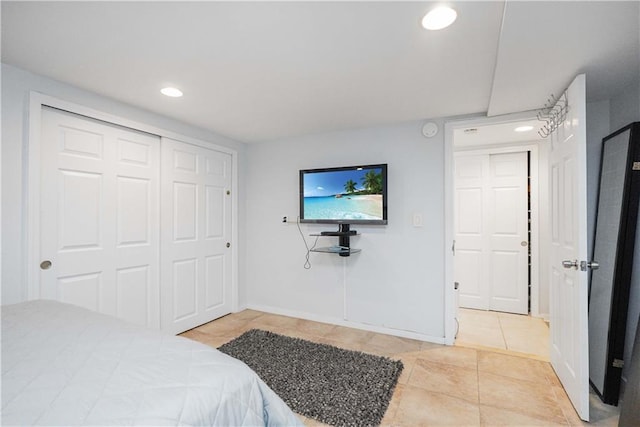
524,243
228,244
45,265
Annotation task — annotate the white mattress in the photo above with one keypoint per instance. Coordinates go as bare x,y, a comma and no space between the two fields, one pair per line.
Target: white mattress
64,365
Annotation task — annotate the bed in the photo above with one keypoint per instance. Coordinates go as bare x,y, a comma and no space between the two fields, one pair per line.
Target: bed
65,365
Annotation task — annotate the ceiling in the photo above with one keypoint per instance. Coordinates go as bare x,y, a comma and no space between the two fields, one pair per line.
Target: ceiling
261,71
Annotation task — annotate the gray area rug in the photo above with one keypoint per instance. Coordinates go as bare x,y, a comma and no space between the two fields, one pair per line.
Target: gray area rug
329,384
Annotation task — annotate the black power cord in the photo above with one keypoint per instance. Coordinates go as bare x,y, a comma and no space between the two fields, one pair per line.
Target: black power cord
307,263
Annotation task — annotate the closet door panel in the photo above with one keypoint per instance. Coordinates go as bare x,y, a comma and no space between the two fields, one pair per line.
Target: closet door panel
470,204
507,228
214,273
491,231
184,289
133,211
133,288
185,212
99,221
196,239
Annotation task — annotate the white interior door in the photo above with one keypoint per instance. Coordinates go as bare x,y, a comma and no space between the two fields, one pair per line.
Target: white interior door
470,209
196,235
568,309
508,233
99,217
491,231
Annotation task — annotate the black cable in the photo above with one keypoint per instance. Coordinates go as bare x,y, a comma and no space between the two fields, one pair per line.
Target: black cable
307,263
457,328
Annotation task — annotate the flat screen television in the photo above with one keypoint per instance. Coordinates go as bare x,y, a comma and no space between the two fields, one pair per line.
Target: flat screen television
344,195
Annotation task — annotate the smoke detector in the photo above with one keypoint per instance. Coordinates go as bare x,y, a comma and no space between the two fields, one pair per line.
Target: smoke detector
429,129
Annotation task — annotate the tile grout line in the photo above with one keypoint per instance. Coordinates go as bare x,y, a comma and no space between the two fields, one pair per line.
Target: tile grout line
557,399
478,381
504,338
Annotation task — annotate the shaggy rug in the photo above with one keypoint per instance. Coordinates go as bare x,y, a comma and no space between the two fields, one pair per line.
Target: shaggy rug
329,384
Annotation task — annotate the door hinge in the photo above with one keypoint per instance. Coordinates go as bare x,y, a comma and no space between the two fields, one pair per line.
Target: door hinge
617,363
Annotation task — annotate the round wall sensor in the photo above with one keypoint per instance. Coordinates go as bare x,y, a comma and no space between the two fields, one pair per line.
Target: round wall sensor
429,129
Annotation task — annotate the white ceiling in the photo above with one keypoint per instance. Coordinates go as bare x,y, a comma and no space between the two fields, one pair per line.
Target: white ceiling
259,71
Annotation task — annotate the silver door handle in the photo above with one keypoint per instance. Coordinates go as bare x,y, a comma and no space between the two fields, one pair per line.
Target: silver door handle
570,264
584,265
45,265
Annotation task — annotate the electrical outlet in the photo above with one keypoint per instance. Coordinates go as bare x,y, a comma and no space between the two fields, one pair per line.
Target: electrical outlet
286,219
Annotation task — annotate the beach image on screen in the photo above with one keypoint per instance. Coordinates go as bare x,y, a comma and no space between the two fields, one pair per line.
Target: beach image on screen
343,195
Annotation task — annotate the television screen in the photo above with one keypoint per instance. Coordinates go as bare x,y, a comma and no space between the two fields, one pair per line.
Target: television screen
345,195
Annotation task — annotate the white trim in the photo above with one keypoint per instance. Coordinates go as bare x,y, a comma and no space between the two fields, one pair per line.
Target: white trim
71,107
235,237
346,323
449,127
31,233
449,293
32,188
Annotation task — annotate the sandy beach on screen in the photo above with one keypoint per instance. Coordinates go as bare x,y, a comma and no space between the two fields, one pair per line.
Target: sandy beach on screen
369,204
374,197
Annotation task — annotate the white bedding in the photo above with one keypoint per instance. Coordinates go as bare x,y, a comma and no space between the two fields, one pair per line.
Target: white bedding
64,365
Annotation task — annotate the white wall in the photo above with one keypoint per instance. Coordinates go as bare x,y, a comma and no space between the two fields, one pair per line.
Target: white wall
16,84
597,128
397,280
544,292
625,107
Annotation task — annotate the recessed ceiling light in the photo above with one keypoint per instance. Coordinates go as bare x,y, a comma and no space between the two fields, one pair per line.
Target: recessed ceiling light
439,18
523,128
172,92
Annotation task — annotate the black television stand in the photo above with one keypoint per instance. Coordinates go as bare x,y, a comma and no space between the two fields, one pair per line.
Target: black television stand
344,234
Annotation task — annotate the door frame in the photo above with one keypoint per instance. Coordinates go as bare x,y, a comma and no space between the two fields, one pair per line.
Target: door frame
449,245
534,194
31,201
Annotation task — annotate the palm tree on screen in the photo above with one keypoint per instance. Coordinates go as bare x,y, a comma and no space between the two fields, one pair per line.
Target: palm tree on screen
350,186
372,181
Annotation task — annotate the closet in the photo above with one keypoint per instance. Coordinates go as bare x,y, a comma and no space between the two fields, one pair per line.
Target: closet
491,227
132,224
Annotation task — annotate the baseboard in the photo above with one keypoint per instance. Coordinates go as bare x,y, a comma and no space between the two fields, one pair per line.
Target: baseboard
346,323
241,308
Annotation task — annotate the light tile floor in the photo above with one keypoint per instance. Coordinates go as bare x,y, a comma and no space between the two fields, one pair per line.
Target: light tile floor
440,385
503,331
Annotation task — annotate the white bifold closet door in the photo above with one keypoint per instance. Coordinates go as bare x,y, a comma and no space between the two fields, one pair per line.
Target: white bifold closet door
132,225
491,231
99,217
196,235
